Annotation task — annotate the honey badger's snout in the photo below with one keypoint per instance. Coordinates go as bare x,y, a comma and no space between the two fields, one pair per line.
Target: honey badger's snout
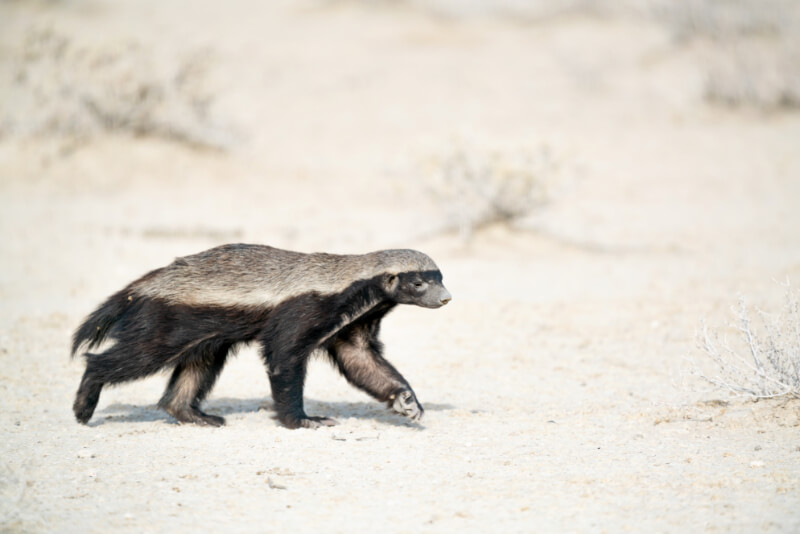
436,297
444,296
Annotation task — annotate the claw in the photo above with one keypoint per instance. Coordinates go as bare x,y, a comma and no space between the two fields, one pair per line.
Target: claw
405,403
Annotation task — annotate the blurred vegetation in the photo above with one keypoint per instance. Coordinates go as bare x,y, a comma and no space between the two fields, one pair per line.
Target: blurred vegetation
750,48
72,88
74,91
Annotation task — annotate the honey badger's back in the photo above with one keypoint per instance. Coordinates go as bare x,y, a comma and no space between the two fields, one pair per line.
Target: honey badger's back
258,275
246,276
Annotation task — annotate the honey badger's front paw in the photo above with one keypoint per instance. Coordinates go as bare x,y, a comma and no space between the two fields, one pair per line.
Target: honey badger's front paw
304,421
406,403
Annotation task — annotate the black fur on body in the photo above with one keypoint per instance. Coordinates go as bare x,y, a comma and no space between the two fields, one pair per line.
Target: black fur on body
191,315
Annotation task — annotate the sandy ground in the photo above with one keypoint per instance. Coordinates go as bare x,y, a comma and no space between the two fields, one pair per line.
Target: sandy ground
552,383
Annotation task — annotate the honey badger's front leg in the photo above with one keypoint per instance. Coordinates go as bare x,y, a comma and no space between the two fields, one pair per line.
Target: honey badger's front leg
287,377
357,354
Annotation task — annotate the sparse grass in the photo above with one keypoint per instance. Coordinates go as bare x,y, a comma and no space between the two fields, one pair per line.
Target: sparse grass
72,91
762,361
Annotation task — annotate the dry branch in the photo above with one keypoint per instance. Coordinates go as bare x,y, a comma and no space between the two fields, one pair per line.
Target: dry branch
764,361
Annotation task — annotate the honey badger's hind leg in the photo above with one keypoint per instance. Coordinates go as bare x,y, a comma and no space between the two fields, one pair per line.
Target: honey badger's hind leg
191,381
116,365
87,397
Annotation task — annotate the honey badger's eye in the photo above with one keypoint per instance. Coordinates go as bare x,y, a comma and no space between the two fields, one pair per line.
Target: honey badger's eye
419,284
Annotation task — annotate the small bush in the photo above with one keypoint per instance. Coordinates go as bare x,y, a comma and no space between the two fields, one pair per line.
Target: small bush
763,361
476,187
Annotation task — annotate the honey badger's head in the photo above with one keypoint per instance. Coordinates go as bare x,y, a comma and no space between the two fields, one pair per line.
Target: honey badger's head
422,288
411,277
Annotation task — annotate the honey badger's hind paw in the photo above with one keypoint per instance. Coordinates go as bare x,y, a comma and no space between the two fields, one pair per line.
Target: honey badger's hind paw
406,403
211,420
197,417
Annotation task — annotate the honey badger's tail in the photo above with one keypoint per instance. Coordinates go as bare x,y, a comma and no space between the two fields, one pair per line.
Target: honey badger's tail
91,333
96,327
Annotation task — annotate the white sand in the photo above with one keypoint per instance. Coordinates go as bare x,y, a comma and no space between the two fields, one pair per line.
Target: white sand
549,382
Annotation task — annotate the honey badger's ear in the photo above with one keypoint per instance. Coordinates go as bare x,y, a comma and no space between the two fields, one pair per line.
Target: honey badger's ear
390,282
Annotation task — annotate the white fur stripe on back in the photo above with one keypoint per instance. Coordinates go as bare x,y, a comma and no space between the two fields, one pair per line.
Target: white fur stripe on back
261,276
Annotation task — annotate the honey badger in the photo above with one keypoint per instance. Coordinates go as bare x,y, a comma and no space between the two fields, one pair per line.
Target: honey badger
191,314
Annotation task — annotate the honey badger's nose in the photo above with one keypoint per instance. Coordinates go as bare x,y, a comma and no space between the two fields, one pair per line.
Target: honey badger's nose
445,297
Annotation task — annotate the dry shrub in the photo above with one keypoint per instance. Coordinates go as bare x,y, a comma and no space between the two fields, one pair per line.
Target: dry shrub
763,360
477,186
74,91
